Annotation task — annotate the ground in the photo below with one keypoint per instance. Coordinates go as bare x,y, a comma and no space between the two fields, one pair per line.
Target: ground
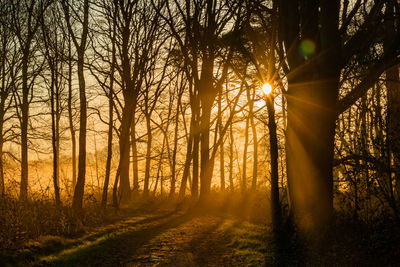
226,232
169,237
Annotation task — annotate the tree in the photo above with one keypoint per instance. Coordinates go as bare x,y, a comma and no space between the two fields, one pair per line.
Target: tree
54,48
393,90
153,87
27,16
197,28
137,43
325,46
80,45
102,67
9,58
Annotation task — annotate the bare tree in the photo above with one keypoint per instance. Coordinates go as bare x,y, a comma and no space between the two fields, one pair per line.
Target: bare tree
71,113
54,48
27,17
80,43
154,86
9,58
137,44
199,37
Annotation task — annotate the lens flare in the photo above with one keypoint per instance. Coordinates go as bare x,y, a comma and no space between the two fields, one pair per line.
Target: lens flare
307,48
266,88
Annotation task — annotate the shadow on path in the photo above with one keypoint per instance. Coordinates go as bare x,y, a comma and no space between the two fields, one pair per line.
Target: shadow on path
113,248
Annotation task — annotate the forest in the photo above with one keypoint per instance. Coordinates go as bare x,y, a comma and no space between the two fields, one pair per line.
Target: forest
199,133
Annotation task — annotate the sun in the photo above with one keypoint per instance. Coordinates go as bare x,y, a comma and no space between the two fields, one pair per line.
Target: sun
266,88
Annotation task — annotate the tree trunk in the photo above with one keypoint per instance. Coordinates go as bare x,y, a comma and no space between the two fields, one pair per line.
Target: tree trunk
205,164
2,113
54,140
246,144
311,127
148,158
109,143
24,125
174,152
273,143
188,160
232,188
159,166
255,141
70,117
110,123
96,160
393,96
80,183
310,138
135,169
221,147
124,150
195,154
2,184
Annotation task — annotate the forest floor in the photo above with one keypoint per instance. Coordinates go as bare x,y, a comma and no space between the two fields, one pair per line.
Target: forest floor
229,232
163,237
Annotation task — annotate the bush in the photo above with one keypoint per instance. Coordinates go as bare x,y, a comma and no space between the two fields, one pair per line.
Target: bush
23,221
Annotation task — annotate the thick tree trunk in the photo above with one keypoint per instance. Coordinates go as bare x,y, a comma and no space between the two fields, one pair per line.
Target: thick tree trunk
393,97
311,126
310,138
124,150
80,183
207,95
205,164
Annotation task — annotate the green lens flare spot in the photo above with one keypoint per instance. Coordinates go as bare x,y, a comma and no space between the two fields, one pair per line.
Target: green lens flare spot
307,48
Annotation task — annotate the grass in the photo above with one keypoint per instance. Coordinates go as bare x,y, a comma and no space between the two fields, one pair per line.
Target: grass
247,240
157,232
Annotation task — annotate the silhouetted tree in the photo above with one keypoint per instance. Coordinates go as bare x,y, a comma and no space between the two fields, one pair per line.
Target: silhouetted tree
70,14
54,43
9,58
313,75
26,16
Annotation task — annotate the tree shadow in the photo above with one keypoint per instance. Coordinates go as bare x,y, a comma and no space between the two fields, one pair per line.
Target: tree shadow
52,245
116,249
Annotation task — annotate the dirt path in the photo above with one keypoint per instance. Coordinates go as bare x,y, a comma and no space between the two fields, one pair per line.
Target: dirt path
167,239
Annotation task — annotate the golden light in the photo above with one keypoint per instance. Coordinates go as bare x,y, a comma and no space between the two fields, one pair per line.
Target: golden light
266,88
